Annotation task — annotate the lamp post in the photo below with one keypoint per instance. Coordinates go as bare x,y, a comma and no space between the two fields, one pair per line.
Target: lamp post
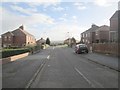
69,41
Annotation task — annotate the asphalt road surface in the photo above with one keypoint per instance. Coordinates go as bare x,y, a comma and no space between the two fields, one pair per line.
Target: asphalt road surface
62,68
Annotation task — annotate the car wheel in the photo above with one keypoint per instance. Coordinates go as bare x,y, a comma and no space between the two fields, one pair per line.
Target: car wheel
87,51
75,51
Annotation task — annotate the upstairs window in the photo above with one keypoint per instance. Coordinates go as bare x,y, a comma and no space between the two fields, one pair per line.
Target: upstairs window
9,38
5,38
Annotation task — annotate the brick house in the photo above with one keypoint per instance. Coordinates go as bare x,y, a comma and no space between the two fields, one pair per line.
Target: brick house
88,36
102,34
41,41
114,27
70,41
18,38
95,34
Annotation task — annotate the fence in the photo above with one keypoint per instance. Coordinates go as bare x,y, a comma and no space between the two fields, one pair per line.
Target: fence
106,48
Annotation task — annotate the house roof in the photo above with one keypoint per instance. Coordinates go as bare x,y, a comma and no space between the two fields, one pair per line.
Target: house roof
8,33
93,28
103,28
41,40
24,31
21,29
115,15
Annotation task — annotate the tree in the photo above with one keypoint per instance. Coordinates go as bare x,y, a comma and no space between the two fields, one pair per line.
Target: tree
48,41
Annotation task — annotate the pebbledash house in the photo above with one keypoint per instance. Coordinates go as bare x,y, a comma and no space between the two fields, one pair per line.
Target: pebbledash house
18,38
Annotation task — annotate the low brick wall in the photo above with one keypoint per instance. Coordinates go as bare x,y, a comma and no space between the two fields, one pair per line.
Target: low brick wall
13,58
107,48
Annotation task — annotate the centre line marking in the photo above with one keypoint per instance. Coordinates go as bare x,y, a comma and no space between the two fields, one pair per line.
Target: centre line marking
48,57
89,82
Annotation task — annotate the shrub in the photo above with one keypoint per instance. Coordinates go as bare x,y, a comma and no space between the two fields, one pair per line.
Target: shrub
12,52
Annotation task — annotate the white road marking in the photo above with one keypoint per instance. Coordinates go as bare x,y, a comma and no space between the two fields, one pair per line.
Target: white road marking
100,85
34,76
48,57
89,82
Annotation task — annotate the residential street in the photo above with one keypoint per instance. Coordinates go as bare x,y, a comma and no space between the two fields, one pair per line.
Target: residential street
62,68
59,44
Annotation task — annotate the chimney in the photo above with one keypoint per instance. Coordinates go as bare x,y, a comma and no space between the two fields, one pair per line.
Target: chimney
93,25
21,27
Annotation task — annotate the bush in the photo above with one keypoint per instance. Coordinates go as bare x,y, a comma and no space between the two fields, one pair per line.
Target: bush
12,52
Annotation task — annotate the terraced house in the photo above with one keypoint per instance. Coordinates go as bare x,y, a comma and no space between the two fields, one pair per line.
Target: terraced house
88,36
114,26
18,38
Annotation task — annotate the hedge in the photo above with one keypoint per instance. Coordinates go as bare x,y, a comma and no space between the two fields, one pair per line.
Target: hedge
12,52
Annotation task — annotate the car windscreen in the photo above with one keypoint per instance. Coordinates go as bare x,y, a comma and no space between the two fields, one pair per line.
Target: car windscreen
82,45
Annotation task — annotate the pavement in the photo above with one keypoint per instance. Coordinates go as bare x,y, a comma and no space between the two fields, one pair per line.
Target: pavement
103,59
62,68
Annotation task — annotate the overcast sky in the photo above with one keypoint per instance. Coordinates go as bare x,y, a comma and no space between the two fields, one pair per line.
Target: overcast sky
55,18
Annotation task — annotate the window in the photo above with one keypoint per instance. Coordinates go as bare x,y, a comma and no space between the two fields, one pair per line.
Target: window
9,38
5,38
83,35
83,40
96,33
113,36
88,34
88,41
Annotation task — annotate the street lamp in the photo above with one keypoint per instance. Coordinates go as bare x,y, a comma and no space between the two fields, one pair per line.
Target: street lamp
69,41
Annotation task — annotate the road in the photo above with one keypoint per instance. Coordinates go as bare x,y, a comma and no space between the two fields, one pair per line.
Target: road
18,74
62,68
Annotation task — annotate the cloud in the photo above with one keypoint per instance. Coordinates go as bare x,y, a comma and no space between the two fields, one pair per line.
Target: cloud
23,10
104,3
101,3
63,19
42,18
57,8
35,22
11,20
45,4
79,5
40,1
65,14
34,15
74,17
34,3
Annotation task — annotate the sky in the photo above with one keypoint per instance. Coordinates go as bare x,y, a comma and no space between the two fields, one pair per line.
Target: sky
56,19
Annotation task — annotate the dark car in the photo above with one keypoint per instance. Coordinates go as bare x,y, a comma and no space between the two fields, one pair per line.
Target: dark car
81,48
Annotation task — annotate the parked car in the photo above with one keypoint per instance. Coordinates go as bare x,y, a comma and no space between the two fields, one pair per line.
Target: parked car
81,48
